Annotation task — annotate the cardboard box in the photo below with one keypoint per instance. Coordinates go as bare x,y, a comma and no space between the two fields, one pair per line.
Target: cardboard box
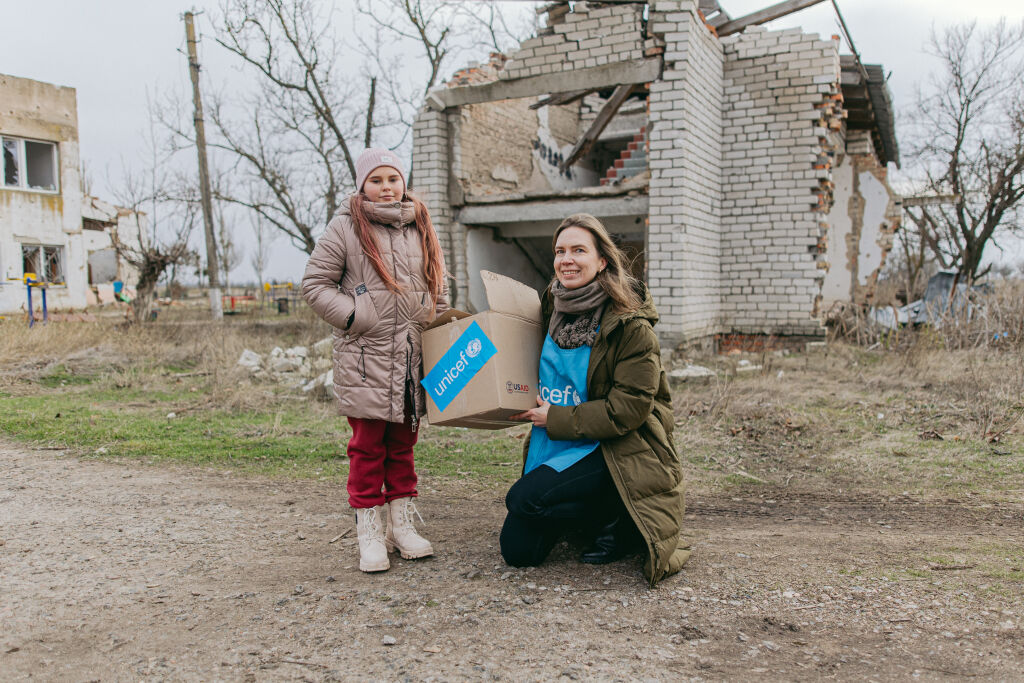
480,369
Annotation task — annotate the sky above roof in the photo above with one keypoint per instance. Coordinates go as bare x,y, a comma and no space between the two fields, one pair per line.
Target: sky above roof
114,52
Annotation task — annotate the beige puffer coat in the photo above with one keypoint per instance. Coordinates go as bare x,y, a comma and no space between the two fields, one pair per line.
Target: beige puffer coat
377,360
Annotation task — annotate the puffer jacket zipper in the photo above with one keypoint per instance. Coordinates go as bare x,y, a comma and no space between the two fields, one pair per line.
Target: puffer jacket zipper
394,318
410,385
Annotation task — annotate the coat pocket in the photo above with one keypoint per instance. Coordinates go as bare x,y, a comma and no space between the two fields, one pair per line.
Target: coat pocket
425,312
366,316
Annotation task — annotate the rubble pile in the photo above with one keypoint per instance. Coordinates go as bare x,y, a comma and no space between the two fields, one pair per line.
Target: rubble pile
298,367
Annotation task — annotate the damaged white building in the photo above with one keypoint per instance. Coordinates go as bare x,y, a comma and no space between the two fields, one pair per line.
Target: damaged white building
743,169
48,227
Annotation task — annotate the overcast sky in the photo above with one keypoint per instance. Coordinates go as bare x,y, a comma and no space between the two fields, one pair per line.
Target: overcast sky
112,51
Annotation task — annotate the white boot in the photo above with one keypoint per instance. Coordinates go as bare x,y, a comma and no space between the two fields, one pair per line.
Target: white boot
401,533
373,554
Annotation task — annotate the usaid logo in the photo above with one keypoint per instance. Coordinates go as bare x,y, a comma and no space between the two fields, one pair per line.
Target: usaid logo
516,388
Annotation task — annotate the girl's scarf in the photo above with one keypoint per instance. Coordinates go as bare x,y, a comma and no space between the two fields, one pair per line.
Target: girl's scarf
577,314
390,213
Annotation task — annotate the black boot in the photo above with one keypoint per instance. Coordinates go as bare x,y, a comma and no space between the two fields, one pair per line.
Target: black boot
617,539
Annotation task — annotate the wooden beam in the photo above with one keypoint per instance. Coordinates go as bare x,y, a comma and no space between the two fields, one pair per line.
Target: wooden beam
718,20
707,7
561,98
776,11
604,76
598,125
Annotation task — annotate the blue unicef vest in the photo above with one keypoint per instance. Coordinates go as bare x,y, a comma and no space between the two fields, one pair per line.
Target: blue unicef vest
563,382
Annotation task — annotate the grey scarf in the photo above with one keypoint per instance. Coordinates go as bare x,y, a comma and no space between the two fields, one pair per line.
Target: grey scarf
577,314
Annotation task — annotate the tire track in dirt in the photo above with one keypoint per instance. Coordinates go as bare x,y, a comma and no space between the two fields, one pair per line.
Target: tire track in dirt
901,512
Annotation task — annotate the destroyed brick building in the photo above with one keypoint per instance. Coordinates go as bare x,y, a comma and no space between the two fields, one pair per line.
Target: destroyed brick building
744,169
49,228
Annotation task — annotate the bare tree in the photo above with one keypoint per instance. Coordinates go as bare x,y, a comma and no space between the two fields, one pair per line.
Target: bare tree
229,252
292,141
152,260
968,141
161,240
439,32
261,251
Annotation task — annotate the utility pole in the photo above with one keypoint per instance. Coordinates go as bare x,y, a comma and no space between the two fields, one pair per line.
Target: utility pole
204,172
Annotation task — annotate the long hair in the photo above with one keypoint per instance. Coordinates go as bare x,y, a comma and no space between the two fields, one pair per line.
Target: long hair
433,261
616,280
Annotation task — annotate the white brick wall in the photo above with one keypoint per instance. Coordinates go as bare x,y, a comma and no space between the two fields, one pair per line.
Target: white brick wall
431,168
741,133
685,133
773,196
585,37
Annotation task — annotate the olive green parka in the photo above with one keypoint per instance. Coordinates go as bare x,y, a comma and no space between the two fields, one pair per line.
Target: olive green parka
630,412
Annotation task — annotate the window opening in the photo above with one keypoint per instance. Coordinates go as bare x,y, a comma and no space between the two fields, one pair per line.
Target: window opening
54,264
40,165
30,164
45,262
30,260
10,162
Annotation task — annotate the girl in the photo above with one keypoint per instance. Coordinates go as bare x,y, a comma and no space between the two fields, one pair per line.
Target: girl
604,451
378,276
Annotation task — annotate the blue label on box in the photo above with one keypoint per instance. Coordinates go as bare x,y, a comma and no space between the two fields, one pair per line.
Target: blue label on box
458,366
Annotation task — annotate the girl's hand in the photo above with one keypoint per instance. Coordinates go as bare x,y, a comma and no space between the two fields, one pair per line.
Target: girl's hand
538,416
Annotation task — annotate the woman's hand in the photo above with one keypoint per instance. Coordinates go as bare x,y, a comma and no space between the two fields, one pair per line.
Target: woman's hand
538,416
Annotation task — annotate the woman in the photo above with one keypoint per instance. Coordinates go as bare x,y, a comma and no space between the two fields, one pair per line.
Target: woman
377,275
601,445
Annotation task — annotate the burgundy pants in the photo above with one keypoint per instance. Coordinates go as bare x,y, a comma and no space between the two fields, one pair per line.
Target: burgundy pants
380,465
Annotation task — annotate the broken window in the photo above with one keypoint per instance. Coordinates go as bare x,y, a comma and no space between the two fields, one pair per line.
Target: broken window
45,263
30,164
11,163
102,266
41,165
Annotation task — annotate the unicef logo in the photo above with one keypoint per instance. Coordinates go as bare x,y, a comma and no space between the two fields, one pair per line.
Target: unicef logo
474,348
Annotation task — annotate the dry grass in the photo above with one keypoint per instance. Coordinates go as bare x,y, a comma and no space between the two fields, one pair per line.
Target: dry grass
194,347
861,420
995,319
915,415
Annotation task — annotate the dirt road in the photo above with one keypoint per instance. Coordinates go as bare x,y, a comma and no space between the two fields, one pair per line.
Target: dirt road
118,571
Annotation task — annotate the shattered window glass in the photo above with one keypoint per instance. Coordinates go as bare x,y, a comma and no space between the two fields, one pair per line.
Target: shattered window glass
54,264
30,261
30,164
11,162
40,166
44,263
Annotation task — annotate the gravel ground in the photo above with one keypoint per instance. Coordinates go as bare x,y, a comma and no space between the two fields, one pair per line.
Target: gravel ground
121,571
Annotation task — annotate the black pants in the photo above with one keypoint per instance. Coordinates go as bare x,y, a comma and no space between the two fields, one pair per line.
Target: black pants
545,504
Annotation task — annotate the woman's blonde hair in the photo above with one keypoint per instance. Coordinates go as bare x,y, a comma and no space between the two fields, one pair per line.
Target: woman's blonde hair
616,280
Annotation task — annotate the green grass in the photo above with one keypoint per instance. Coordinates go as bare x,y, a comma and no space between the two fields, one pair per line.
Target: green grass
448,452
815,428
287,436
60,376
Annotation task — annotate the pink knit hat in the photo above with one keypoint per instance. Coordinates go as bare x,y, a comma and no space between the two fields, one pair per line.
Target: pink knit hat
373,157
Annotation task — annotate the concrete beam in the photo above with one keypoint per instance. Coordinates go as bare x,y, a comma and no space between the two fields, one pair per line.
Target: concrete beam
604,76
539,218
